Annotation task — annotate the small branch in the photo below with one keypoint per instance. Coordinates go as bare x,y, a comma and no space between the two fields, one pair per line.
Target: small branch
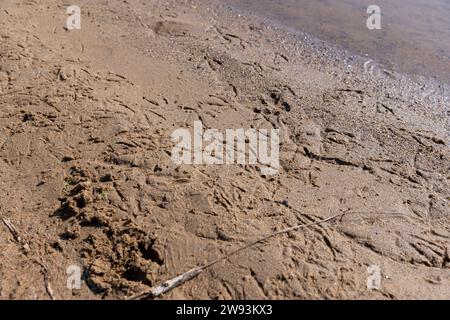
168,285
48,287
189,275
12,229
16,236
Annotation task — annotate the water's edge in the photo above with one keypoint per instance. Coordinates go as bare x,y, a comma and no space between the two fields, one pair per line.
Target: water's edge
408,47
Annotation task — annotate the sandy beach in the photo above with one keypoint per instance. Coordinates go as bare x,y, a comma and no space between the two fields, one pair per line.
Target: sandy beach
88,182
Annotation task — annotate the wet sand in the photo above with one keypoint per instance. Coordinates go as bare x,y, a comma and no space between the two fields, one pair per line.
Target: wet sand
414,36
87,179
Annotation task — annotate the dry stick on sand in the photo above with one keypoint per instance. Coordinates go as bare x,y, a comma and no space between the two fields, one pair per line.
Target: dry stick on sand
48,287
25,247
15,234
12,229
175,282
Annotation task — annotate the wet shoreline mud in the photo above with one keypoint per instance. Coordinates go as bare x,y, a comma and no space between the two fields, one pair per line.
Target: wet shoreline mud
413,37
88,183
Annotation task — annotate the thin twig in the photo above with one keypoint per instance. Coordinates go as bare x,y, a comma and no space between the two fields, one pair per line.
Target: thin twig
12,229
48,287
168,285
294,228
16,235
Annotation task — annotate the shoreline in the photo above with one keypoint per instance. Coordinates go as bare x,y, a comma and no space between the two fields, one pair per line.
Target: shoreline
435,92
399,30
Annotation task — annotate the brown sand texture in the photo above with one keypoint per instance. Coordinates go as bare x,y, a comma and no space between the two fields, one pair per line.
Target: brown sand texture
87,179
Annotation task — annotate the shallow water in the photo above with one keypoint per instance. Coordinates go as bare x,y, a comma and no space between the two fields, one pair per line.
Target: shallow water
414,35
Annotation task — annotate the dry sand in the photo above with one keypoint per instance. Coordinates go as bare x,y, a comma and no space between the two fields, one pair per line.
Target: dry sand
86,176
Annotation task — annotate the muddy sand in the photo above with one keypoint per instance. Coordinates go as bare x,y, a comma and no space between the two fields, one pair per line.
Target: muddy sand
87,179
